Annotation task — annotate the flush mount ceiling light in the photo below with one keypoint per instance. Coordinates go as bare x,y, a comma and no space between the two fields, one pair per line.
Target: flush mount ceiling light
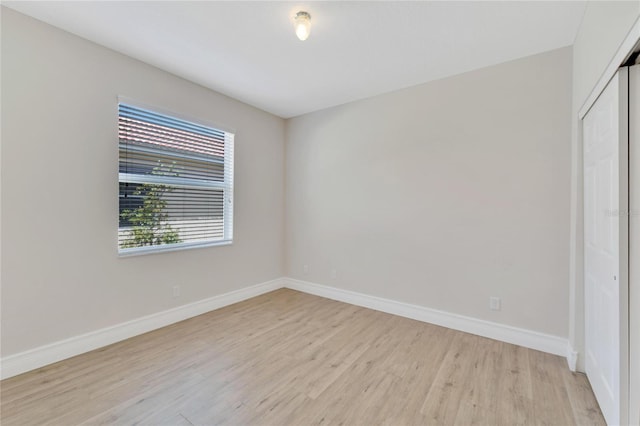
303,25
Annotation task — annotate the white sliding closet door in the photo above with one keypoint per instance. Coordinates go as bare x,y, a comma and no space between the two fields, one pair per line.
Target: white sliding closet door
605,145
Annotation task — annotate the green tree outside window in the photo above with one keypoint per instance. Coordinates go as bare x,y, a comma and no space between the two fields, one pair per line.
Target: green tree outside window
150,220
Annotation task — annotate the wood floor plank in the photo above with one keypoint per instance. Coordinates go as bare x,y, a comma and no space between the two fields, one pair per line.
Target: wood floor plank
515,388
443,401
551,403
478,405
289,358
416,365
583,402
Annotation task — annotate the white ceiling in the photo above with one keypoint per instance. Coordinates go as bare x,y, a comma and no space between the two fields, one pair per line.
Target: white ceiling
248,50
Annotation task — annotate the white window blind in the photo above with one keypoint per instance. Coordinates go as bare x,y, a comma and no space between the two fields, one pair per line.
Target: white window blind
176,182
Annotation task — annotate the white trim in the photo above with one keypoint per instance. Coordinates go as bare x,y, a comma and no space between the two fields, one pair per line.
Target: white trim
13,365
623,52
572,358
634,249
505,333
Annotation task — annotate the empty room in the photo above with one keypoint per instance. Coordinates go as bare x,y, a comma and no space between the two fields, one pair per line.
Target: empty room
320,213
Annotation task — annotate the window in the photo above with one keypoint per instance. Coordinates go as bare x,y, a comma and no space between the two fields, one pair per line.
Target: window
176,183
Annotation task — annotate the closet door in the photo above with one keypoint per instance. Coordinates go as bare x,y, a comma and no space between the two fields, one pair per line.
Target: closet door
605,146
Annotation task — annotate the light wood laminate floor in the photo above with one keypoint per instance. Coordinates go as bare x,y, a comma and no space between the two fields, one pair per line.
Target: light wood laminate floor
288,358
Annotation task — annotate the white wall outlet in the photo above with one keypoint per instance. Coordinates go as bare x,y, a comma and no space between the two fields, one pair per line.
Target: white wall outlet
305,269
494,303
334,274
176,291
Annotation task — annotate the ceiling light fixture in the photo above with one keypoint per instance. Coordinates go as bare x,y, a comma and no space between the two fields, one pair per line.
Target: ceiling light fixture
303,25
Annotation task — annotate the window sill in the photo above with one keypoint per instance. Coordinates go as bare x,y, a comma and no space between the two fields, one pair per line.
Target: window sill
140,251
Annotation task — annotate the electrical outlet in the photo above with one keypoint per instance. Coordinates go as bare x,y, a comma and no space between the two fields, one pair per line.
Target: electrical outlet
334,274
494,303
305,269
176,291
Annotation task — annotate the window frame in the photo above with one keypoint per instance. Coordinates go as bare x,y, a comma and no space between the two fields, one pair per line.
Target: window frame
226,186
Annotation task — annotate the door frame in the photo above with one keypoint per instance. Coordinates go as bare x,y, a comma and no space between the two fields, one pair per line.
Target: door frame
575,351
634,244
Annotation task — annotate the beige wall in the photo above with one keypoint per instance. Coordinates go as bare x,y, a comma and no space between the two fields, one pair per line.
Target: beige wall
61,276
443,194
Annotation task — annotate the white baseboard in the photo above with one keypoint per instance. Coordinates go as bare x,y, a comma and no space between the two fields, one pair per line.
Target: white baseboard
572,358
517,336
22,362
13,365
